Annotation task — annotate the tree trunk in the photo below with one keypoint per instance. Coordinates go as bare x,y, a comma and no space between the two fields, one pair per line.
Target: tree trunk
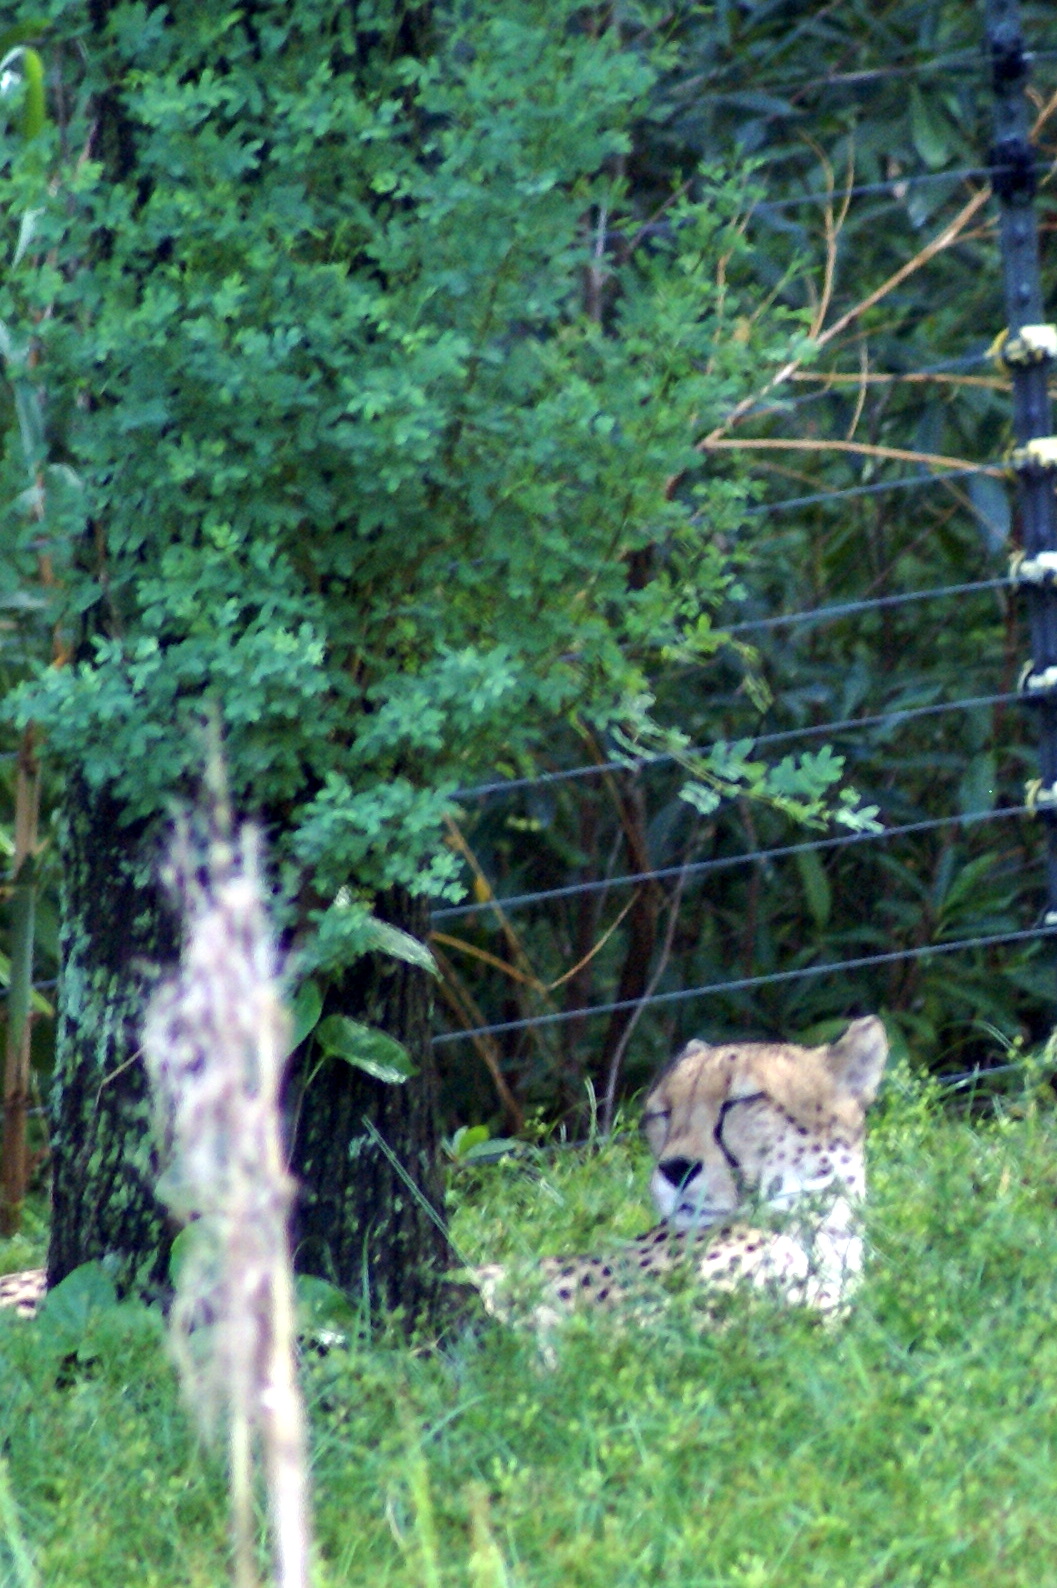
114,930
370,1214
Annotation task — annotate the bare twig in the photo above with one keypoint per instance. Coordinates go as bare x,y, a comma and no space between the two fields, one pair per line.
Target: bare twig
462,1003
609,1101
19,1023
933,460
949,234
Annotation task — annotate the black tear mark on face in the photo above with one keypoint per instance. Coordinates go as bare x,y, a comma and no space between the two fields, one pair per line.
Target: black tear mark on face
717,1135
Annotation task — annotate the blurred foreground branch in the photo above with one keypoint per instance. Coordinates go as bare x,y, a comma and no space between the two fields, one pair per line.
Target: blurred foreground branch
215,1039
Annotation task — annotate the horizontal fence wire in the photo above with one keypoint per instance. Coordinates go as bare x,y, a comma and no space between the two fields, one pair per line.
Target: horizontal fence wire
637,763
745,984
36,986
846,609
902,483
972,59
708,85
966,1078
895,187
831,382
891,185
700,868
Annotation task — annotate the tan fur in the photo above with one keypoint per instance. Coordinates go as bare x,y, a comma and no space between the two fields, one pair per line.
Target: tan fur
23,1292
759,1175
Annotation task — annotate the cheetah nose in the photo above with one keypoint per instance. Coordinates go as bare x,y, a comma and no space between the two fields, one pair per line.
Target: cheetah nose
680,1171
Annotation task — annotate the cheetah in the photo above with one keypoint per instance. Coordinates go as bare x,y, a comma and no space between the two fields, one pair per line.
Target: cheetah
759,1176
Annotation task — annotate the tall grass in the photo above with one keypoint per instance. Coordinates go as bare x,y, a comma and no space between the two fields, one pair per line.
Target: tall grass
912,1444
214,1040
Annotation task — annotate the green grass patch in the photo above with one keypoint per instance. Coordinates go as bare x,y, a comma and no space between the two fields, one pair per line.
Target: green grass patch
912,1444
29,1248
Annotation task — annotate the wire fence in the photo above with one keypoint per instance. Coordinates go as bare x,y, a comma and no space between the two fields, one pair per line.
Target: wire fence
749,743
746,983
875,488
703,868
970,59
888,603
897,186
680,874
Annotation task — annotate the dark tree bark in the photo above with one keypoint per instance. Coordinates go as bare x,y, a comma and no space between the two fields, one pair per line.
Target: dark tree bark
113,932
370,1214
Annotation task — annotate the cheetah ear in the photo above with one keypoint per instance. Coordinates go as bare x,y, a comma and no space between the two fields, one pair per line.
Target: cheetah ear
858,1059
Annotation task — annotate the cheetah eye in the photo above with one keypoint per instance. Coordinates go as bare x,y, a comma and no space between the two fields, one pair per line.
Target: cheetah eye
659,1116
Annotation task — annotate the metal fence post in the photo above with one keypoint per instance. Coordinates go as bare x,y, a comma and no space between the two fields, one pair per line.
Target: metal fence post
1027,350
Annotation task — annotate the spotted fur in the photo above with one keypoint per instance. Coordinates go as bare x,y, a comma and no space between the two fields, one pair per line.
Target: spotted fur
759,1176
23,1292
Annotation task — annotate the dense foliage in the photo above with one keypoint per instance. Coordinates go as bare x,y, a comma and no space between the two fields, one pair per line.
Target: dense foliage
366,405
322,424
871,125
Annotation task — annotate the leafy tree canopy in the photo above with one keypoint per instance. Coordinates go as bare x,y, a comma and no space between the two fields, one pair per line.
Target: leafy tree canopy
349,389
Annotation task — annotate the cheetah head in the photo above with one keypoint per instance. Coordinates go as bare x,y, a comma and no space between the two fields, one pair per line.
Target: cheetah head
744,1124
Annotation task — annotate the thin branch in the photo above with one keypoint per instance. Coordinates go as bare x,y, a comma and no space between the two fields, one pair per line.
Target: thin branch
935,460
463,1005
943,239
617,1059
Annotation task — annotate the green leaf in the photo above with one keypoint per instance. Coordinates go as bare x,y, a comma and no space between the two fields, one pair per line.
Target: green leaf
929,131
489,1151
305,1011
466,1138
321,1306
365,1047
978,785
817,890
87,1289
704,800
29,64
385,939
990,501
34,114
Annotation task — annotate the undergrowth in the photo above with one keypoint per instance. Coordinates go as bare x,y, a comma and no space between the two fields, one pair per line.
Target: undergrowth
912,1444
